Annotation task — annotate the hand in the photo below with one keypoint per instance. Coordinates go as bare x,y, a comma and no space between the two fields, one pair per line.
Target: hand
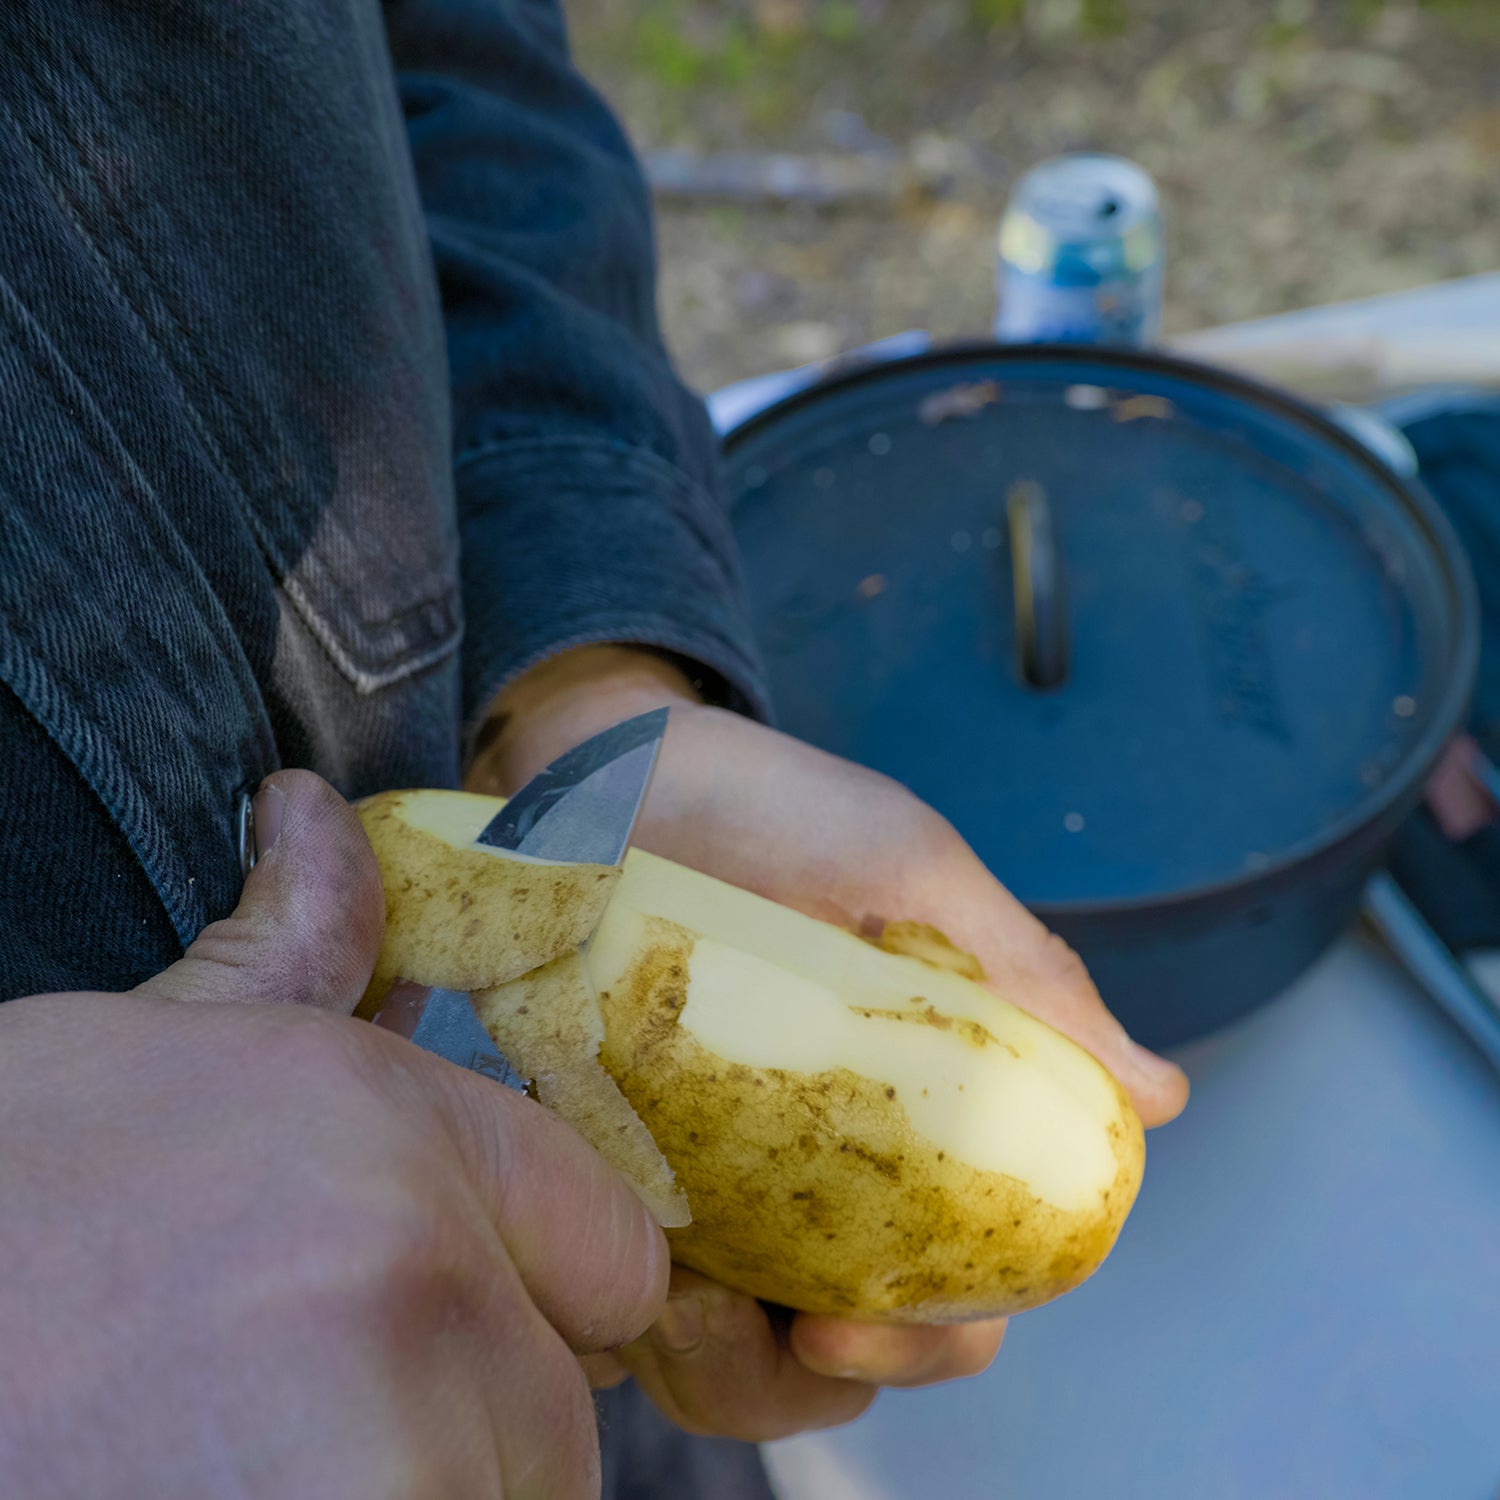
766,812
266,1250
1456,793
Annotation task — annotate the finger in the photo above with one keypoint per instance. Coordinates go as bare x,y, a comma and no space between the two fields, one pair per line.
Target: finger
1034,968
602,1371
818,803
896,1355
592,1258
308,925
1456,796
543,1419
488,1401
1058,990
713,1364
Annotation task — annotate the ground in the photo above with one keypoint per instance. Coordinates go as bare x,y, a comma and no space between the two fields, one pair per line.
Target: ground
1307,151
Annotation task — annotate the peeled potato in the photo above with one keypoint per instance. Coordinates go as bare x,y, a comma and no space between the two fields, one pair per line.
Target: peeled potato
855,1128
460,915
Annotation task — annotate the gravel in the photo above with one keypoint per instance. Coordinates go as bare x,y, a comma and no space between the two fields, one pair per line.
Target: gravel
1306,152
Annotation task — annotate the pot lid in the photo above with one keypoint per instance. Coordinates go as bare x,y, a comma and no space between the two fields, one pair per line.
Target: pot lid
1138,628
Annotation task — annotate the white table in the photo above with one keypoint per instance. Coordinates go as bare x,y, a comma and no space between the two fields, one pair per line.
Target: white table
1304,1305
1448,333
1440,334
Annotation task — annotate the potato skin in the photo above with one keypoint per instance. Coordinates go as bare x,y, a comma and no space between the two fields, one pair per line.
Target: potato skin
812,1190
460,918
547,1025
808,1189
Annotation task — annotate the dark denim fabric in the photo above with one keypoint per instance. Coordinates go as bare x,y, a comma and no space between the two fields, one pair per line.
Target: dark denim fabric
323,326
236,400
580,460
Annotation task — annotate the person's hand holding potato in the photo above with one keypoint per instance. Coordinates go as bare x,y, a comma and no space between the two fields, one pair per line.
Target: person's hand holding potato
765,812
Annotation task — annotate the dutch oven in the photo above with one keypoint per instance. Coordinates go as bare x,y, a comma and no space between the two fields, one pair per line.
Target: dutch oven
1172,650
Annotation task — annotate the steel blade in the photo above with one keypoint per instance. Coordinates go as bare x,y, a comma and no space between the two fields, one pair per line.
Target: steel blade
582,808
443,1022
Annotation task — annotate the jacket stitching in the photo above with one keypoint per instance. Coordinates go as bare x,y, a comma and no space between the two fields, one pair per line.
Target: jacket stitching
319,626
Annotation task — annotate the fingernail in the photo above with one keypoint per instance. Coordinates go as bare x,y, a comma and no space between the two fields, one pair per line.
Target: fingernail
1156,1068
402,1009
269,806
679,1326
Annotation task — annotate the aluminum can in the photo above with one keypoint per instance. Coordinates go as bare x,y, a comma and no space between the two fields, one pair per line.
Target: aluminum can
1080,255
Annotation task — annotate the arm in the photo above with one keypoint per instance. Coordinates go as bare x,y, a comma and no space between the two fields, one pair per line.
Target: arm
587,486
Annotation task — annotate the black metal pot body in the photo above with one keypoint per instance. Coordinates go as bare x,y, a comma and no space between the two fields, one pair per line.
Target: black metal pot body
1172,650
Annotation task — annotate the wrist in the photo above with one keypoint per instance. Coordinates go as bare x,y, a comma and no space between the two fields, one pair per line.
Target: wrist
562,701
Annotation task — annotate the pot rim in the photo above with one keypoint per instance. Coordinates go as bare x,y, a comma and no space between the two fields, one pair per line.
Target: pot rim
1366,823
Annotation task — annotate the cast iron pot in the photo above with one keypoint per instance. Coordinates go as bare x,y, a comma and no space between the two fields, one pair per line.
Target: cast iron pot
1172,650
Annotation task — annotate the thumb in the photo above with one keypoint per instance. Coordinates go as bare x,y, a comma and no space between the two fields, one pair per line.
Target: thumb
309,922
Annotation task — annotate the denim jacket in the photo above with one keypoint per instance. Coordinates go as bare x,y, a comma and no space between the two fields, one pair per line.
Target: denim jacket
334,397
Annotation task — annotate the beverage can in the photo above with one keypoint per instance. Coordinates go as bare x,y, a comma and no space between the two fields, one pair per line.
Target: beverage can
1080,255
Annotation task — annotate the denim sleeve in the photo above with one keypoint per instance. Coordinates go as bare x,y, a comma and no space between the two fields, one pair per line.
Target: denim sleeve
590,505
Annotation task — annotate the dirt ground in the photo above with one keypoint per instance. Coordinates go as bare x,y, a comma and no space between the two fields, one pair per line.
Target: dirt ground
831,171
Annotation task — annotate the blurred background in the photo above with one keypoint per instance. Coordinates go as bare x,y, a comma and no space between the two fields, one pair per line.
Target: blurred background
831,171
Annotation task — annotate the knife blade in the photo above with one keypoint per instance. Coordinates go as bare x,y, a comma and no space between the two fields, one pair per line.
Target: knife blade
443,1022
581,809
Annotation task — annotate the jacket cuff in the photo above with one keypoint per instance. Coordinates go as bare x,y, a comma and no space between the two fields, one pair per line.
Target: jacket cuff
571,543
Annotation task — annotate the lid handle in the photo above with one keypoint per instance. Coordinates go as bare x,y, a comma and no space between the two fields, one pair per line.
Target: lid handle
1040,594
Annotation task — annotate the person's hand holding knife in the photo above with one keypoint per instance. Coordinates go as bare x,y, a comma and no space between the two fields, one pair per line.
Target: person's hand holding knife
252,1247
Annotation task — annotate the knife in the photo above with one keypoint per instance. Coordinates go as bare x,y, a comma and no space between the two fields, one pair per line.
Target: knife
581,809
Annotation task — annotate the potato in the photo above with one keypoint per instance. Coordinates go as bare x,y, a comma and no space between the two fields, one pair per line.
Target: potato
841,1123
856,1131
460,915
549,1028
